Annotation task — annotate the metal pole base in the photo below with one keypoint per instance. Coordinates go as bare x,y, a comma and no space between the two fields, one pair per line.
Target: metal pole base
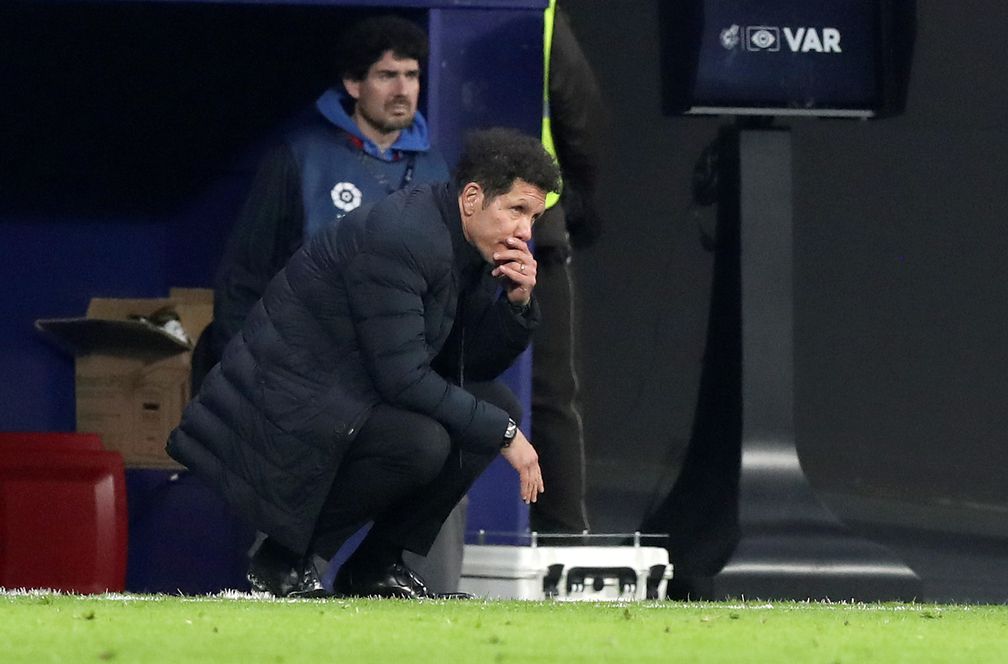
743,518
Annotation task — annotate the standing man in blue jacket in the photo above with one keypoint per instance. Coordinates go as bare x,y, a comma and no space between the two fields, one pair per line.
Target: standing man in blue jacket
363,140
362,386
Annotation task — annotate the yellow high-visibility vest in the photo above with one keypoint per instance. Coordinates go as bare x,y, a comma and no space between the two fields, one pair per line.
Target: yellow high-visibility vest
547,131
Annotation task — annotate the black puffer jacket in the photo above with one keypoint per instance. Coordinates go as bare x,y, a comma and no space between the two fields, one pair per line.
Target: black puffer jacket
358,316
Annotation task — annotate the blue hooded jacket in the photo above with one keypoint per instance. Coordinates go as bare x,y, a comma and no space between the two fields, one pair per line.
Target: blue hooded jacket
342,169
324,168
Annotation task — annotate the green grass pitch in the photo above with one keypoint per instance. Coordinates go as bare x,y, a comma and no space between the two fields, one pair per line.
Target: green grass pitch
51,627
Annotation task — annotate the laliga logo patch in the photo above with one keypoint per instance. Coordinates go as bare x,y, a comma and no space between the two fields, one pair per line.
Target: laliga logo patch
346,196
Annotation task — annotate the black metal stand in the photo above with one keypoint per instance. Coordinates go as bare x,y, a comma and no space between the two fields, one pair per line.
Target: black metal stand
743,519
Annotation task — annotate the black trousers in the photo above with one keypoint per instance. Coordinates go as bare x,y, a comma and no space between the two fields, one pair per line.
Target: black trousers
404,472
557,430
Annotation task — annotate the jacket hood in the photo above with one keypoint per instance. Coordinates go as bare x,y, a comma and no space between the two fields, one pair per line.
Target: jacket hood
414,138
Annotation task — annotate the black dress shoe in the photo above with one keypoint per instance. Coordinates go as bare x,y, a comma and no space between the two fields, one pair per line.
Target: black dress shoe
433,595
280,579
395,580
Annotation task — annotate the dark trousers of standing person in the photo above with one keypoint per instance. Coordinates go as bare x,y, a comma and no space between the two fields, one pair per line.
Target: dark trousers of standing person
405,473
557,430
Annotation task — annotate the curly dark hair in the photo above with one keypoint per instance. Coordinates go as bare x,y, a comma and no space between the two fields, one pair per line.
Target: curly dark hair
495,158
364,43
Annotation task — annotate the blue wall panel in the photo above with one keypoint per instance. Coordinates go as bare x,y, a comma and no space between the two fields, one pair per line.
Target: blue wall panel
486,70
51,268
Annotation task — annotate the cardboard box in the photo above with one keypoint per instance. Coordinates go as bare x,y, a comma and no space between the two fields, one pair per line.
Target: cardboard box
132,376
566,573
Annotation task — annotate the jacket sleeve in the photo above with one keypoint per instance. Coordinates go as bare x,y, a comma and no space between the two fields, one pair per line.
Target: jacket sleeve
494,338
267,233
578,118
389,286
494,334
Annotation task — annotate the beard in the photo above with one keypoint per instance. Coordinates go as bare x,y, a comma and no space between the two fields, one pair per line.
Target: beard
389,122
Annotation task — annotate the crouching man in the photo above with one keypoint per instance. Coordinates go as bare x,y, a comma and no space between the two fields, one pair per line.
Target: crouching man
363,385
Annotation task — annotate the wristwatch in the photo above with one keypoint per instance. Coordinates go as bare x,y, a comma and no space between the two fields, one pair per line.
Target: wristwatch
509,434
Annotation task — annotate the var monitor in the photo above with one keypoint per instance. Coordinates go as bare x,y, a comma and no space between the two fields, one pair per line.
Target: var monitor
826,58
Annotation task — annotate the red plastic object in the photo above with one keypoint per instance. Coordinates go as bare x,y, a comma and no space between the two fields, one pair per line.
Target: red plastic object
63,522
67,440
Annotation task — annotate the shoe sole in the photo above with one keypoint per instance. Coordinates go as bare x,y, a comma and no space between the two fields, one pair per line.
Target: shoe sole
319,593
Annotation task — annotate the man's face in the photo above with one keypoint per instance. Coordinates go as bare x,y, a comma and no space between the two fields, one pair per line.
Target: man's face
387,96
509,215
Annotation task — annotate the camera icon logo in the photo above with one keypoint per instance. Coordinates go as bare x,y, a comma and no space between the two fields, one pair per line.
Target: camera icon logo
762,38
